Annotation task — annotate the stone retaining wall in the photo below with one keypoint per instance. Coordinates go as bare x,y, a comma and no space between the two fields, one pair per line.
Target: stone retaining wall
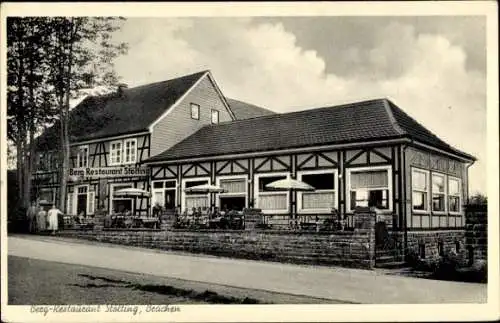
436,242
353,249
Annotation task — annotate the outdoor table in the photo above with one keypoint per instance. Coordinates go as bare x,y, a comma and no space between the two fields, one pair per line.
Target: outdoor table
145,221
308,225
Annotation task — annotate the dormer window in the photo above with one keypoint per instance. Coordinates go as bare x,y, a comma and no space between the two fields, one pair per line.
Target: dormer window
195,111
215,116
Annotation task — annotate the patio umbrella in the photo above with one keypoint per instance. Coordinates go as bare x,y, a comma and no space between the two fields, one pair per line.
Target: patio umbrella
132,192
290,185
205,189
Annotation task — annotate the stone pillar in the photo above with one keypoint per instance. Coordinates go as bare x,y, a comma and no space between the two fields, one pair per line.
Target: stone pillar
365,225
476,232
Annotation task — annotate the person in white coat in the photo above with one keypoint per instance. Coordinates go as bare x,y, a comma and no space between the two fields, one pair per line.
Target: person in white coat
53,218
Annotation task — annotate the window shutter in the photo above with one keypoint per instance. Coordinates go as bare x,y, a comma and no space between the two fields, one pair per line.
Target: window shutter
90,203
69,204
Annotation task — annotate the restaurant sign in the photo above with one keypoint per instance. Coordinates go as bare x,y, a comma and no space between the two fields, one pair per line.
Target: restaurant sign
107,172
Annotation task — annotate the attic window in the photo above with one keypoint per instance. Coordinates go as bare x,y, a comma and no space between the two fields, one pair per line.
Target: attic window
195,111
215,117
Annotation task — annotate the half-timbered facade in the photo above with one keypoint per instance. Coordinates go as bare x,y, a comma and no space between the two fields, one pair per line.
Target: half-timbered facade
362,154
112,135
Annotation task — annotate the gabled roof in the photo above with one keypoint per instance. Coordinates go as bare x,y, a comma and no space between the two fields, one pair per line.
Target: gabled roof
113,114
243,110
356,122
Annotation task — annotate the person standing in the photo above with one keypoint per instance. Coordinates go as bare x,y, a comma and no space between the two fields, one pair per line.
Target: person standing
41,218
53,218
31,214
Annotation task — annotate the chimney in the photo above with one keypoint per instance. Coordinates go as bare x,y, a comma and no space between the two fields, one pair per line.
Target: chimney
121,88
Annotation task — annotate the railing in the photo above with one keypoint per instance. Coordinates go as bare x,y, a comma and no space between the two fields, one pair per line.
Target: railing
306,222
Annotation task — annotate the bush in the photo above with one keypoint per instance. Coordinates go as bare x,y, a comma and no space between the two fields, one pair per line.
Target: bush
450,266
427,264
412,258
447,266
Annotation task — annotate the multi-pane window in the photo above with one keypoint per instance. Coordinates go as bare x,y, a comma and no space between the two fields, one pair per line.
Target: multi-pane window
454,194
269,199
438,193
129,151
323,197
116,152
44,162
83,156
195,111
420,190
215,117
124,151
47,195
370,188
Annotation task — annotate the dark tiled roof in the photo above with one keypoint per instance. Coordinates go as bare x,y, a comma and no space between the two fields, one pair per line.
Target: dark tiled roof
356,122
416,131
243,110
113,114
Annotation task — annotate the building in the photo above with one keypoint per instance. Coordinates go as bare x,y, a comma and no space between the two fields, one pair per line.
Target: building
111,135
367,153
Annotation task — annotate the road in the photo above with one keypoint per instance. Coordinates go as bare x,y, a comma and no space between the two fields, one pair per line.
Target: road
331,283
40,282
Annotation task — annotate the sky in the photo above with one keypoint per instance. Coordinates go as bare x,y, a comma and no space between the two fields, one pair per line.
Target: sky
433,67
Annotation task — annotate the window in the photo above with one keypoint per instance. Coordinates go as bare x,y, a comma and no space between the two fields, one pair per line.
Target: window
215,117
40,163
83,156
235,195
195,111
454,194
130,151
47,194
44,162
123,152
48,161
116,152
190,200
369,187
420,190
438,193
323,199
269,200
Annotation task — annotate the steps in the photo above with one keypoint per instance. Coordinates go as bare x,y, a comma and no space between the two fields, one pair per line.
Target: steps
388,261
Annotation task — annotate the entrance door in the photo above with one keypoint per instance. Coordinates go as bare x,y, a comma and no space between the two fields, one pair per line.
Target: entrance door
169,199
81,200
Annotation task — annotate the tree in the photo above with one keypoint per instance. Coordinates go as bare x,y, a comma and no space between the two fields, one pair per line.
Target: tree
478,199
80,55
29,102
50,60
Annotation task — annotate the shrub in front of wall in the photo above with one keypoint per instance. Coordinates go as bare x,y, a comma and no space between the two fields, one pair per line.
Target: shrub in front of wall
447,266
412,258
